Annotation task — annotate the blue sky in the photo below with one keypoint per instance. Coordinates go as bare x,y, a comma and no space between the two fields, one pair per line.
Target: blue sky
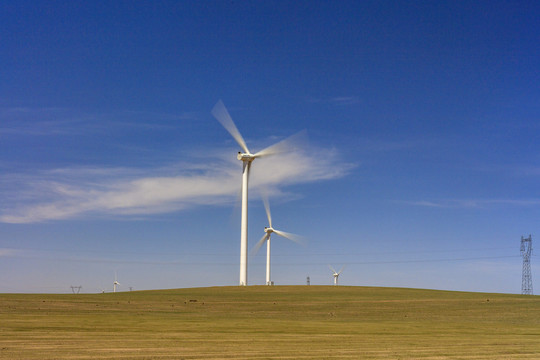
418,163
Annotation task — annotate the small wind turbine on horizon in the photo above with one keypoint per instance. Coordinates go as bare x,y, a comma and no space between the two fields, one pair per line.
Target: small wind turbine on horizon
336,274
115,282
222,115
266,238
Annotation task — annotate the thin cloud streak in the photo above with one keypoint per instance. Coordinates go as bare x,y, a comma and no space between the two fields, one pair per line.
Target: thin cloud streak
7,252
68,122
66,256
336,100
68,193
473,203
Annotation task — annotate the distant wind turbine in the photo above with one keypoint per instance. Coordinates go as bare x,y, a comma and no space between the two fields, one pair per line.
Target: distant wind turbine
222,115
336,274
115,282
266,238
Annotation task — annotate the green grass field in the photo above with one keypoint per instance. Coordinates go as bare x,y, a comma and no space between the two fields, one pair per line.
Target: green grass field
280,322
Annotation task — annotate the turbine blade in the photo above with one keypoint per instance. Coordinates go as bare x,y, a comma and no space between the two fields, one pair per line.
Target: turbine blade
267,208
333,270
257,246
285,145
293,237
222,115
340,270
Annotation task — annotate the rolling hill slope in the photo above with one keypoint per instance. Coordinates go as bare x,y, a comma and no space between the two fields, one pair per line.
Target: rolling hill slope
280,322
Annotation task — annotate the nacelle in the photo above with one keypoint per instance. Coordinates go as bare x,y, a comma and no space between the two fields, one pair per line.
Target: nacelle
245,157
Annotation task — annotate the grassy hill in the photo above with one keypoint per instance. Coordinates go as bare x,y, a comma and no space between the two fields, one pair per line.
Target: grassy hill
280,322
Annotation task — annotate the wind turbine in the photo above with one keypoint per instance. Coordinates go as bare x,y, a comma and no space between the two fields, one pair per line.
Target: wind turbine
336,274
266,238
222,115
115,282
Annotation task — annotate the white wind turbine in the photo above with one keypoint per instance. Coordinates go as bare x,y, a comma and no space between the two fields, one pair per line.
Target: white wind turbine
115,283
222,115
266,238
336,274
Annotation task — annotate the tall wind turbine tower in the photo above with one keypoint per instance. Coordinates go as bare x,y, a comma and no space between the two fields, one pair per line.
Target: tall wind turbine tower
526,278
266,238
222,115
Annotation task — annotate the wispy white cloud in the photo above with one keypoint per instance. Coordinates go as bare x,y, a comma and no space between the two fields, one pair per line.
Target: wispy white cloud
55,121
512,170
344,100
336,100
7,252
386,145
474,203
74,192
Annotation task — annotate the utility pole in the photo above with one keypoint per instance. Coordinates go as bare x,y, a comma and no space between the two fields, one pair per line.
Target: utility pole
76,287
526,278
308,281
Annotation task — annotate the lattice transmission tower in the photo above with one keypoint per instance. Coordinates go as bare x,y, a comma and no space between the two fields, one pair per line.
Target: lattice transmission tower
526,278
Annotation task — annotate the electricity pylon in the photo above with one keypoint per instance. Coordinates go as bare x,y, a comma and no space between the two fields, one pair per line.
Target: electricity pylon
526,278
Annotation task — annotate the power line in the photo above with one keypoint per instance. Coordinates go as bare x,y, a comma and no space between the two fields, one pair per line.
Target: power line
18,253
409,261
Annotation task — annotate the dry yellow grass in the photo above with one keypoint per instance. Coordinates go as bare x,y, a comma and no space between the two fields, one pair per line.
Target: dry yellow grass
281,322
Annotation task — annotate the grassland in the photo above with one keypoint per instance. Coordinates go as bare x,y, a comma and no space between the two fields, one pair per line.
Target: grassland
281,322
